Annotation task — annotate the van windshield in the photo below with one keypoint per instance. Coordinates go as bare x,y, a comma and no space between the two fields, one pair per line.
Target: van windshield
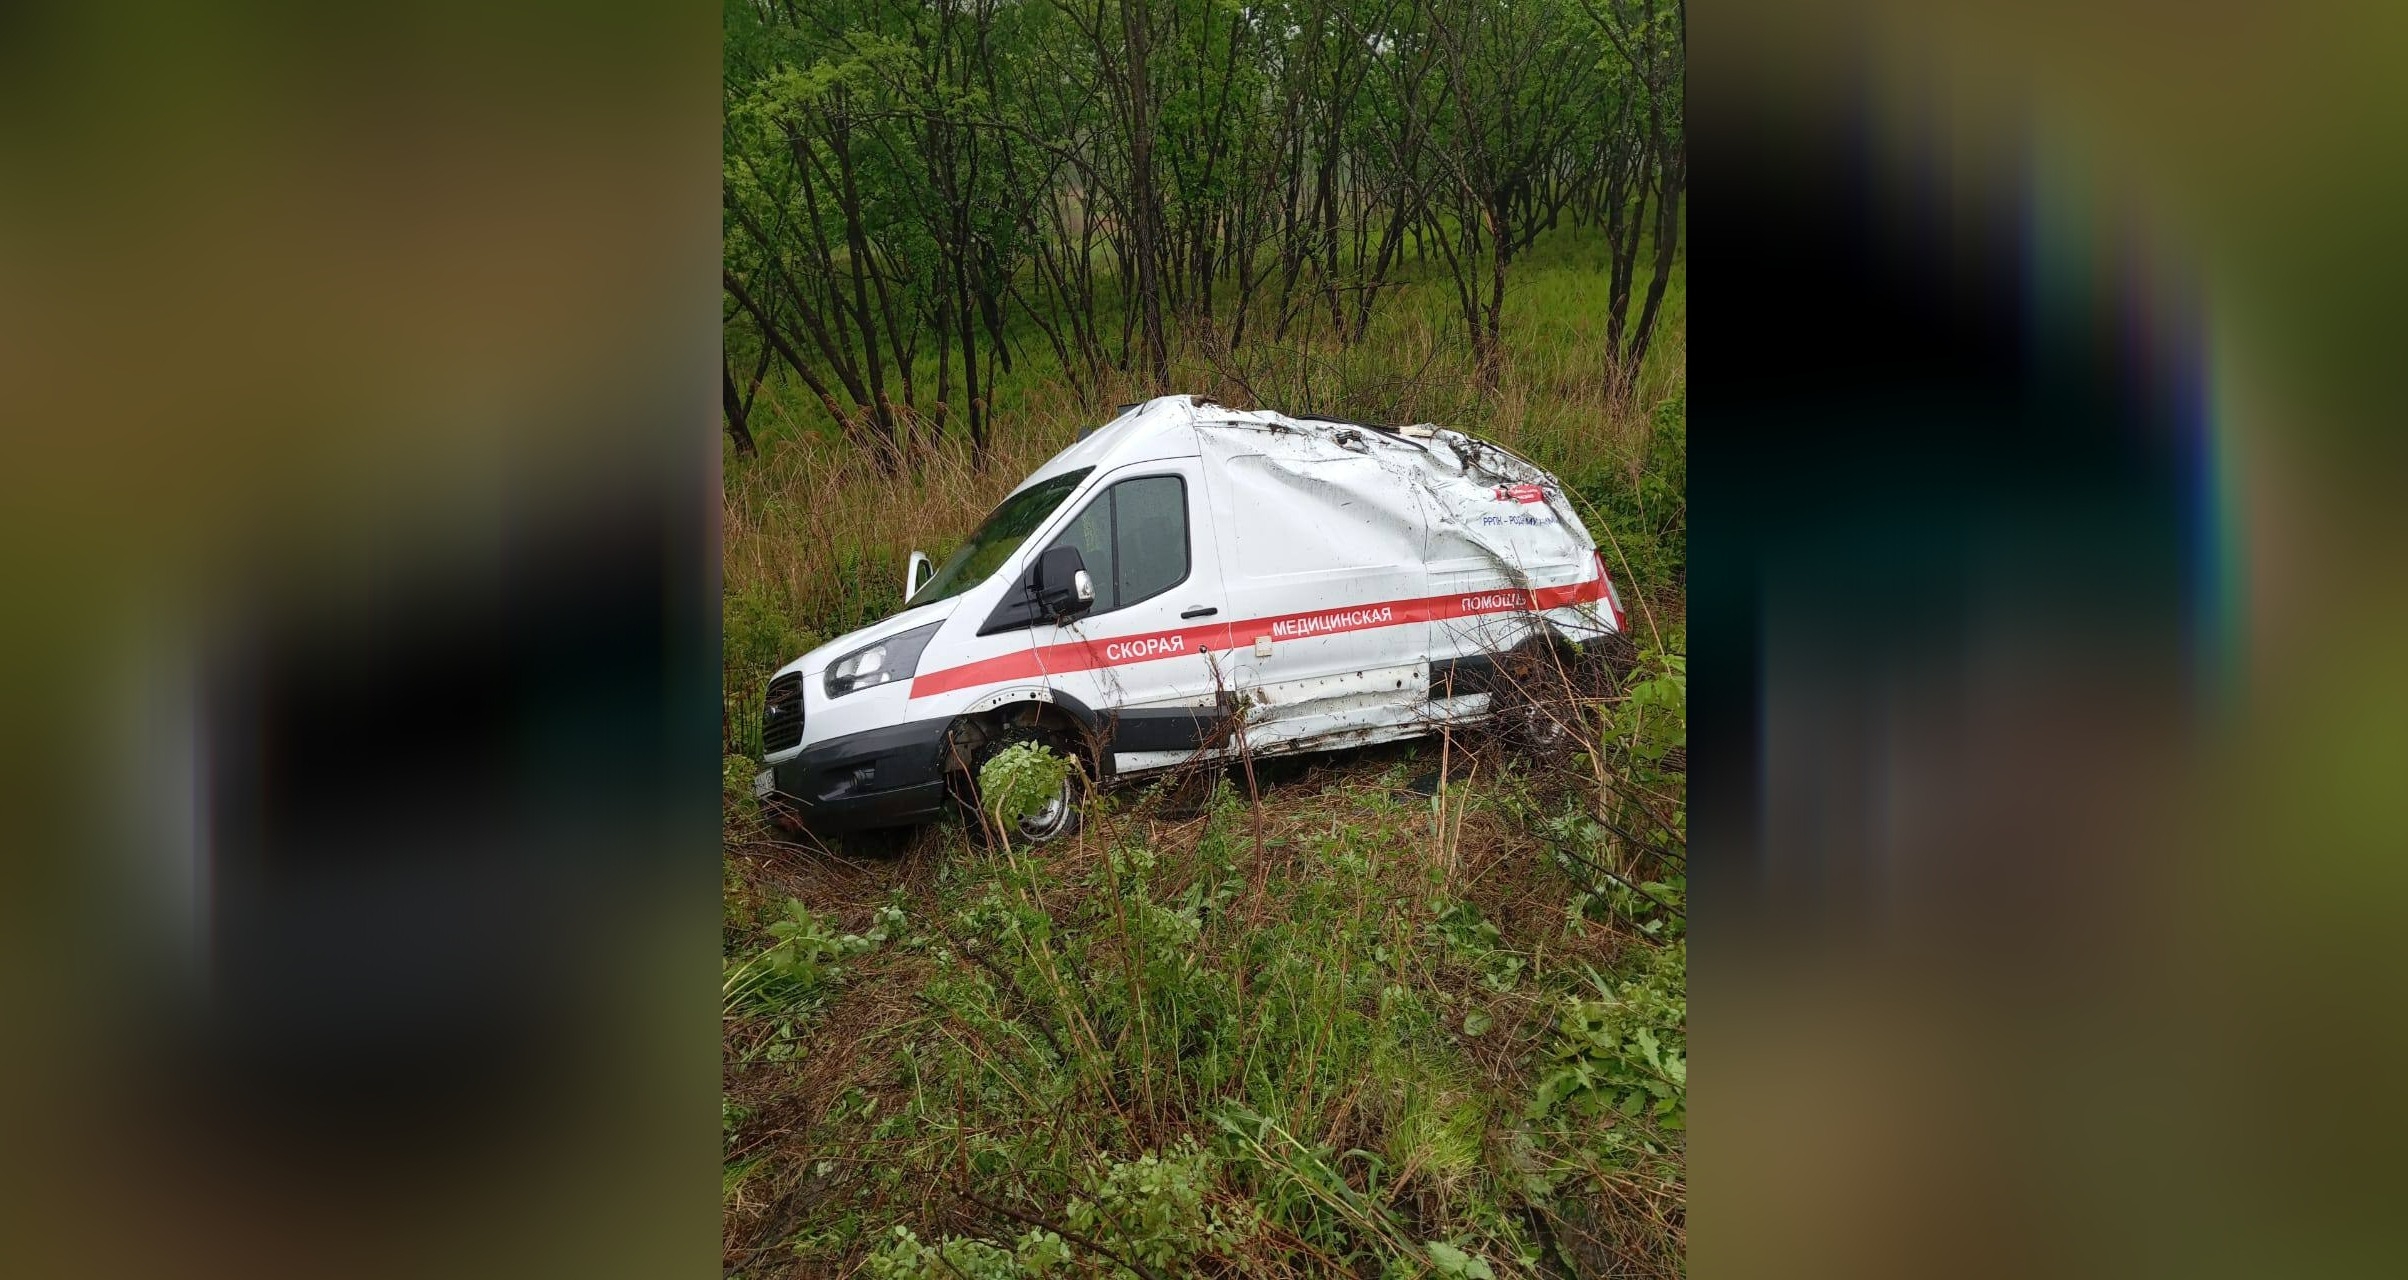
1005,529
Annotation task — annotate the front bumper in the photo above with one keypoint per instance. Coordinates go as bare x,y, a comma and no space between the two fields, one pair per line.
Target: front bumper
890,777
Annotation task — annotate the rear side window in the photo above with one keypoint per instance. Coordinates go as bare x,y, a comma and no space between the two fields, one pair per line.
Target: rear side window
1133,540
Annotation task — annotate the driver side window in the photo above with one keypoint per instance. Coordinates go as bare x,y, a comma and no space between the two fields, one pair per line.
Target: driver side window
1091,532
1133,539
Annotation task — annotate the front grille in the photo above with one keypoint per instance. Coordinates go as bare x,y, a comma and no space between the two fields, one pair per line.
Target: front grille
782,713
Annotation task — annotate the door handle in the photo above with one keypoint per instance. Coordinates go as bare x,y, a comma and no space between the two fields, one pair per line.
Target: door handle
1200,611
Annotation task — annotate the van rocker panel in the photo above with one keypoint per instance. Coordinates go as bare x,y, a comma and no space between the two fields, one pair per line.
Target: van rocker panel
1139,730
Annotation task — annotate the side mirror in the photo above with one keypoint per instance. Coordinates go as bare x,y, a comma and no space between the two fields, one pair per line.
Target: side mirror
1064,589
916,571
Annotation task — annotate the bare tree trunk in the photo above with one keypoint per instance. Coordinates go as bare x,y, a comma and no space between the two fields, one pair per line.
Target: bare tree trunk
1500,243
1667,242
770,334
944,356
1145,200
734,404
1623,229
857,240
969,338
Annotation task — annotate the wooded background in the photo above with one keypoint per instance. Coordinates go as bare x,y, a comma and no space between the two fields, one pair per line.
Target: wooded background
908,180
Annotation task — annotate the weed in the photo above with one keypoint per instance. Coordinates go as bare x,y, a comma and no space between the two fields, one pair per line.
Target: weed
787,981
756,638
1154,1210
1018,782
903,1257
736,786
1477,941
1624,1053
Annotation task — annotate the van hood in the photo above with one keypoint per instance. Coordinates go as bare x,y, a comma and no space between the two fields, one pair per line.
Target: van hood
816,661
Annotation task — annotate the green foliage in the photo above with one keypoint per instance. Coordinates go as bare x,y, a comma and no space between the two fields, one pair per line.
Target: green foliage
904,1257
1654,720
792,975
949,160
1308,1041
1452,1261
1020,780
1654,900
1637,498
780,987
1153,1210
1435,1128
1625,1053
736,773
1626,849
1476,940
867,583
756,638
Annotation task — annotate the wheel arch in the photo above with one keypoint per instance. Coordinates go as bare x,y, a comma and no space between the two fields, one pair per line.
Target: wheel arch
1035,706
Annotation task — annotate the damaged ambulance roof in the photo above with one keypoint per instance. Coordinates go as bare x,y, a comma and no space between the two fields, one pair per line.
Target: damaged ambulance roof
1449,495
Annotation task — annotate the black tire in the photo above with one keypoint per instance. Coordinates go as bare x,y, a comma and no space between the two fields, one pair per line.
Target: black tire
1061,816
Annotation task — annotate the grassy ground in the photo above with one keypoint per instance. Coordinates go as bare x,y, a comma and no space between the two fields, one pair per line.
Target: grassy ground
1411,1011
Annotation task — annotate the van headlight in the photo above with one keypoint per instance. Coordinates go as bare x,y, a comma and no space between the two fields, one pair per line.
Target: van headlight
893,658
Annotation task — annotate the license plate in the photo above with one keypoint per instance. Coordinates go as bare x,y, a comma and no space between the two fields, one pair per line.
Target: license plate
764,783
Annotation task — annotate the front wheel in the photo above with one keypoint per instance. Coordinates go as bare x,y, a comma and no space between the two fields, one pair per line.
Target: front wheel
1056,818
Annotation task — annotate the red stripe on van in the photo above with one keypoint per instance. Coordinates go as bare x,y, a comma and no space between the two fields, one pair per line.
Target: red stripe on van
1113,651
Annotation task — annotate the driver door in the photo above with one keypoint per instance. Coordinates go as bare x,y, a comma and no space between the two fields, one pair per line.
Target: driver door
1144,657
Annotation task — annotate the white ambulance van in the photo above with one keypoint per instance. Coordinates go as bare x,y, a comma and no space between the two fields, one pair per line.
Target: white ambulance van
1185,569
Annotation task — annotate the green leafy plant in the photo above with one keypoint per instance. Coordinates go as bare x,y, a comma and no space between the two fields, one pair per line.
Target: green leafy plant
1654,721
1153,1210
792,975
1641,498
735,785
1625,1053
1019,780
1452,1261
904,1257
756,638
1583,847
1467,935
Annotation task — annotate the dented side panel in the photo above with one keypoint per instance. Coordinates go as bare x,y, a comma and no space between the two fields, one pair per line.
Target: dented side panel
1322,555
1471,548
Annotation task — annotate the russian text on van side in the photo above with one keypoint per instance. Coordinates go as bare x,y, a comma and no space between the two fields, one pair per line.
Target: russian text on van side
1145,647
1342,620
